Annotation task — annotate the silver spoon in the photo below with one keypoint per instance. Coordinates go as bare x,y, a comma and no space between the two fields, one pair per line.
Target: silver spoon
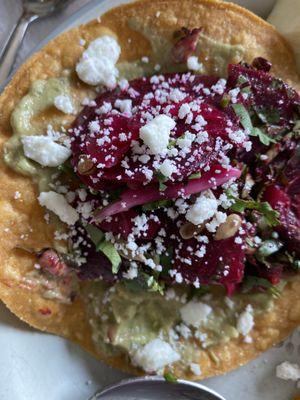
154,388
32,10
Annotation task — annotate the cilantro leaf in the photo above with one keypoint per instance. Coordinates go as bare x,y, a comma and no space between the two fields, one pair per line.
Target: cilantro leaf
111,253
270,215
246,123
263,137
268,115
243,115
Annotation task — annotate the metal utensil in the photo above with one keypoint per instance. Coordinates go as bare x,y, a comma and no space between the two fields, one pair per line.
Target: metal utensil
153,388
32,10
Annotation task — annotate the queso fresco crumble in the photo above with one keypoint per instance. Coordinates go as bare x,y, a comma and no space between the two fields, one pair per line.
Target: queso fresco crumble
180,195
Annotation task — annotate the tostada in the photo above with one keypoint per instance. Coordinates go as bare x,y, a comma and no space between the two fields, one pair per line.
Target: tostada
149,188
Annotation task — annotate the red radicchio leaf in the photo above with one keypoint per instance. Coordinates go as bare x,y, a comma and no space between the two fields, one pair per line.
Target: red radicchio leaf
134,197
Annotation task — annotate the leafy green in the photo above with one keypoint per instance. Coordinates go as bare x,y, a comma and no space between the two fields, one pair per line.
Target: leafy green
267,248
68,170
225,100
144,282
95,234
243,115
114,194
155,286
269,214
268,115
154,205
169,377
263,137
161,181
296,265
111,253
246,89
196,175
252,282
242,79
166,258
172,143
246,123
294,262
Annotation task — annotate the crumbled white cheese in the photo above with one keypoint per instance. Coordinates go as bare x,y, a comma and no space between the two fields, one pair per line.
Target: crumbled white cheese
245,321
219,87
64,103
195,313
44,150
97,64
125,106
194,64
288,371
177,95
184,110
195,368
204,208
132,272
167,168
58,204
156,133
186,140
155,355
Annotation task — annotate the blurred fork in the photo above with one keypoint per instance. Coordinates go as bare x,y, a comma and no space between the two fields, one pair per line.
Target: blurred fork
32,10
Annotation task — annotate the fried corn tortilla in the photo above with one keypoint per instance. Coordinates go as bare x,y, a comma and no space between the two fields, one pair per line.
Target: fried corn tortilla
22,222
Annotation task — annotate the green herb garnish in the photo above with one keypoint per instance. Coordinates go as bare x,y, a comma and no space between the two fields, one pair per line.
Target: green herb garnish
269,214
155,286
68,170
268,116
111,253
246,123
169,377
225,100
166,258
161,181
267,248
154,205
251,282
144,282
196,175
95,234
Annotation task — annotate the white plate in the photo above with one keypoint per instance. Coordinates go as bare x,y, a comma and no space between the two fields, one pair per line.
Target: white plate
37,366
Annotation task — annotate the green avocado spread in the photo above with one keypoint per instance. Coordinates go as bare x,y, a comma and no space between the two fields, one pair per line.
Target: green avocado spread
25,122
122,320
